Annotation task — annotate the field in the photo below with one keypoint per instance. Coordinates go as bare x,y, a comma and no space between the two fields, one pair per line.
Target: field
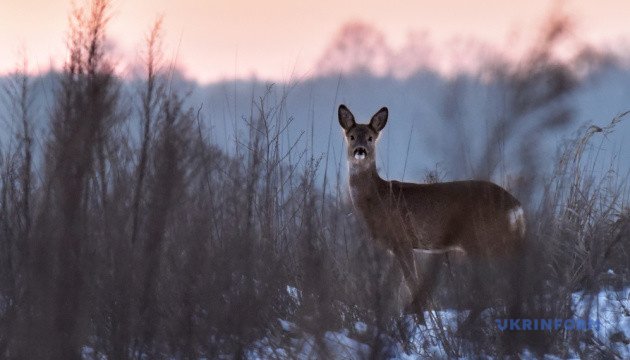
130,229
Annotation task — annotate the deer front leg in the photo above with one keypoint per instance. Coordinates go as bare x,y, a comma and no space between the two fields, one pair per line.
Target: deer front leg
422,286
405,259
408,266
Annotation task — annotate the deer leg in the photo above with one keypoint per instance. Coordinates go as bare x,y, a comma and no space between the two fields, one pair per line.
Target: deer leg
420,290
478,292
430,274
408,267
427,285
518,285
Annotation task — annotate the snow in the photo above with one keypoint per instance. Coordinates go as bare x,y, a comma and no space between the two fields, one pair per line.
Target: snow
294,293
287,326
610,308
360,327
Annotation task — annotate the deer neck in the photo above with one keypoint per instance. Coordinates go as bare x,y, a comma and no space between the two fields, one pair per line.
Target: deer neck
364,180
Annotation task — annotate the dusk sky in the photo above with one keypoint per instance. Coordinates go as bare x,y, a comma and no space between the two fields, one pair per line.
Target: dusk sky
283,39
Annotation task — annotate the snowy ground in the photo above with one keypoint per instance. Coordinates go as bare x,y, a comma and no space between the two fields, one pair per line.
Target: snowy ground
610,309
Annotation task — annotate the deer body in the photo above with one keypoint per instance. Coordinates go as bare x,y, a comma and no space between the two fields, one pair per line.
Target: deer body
476,217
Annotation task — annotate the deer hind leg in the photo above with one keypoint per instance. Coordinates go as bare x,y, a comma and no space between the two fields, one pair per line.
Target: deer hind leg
519,284
479,293
492,284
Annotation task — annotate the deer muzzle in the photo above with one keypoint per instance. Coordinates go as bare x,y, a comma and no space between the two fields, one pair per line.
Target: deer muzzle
360,153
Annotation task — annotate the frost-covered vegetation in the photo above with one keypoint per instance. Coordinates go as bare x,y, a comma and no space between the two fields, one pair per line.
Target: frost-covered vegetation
127,230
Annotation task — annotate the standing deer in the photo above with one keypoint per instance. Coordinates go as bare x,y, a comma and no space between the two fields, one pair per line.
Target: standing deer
477,217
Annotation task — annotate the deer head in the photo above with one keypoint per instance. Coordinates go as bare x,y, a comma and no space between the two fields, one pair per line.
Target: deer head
361,138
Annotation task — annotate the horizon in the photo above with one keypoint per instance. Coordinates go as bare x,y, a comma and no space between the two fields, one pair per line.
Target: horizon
272,53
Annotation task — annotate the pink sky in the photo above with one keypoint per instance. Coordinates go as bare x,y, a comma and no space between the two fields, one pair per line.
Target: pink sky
283,39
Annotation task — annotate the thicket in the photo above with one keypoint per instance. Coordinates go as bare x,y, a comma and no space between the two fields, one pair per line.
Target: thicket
126,233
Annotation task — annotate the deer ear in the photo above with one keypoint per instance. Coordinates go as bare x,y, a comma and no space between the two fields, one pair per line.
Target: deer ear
379,119
346,119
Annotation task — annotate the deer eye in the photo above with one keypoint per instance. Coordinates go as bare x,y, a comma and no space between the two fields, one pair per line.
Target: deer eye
370,139
352,137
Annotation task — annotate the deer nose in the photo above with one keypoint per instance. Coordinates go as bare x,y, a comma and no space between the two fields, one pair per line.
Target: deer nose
360,153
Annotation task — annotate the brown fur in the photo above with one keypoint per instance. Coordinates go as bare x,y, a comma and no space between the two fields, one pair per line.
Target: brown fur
470,214
473,216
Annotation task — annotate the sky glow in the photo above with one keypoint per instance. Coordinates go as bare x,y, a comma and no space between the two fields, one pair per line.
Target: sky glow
284,39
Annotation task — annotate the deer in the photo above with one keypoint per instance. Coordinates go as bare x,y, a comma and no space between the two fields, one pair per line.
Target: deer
477,218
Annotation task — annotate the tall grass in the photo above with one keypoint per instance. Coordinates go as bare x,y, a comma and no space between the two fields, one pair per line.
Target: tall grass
158,244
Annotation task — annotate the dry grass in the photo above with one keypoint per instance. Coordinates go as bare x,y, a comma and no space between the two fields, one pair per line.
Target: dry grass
161,245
